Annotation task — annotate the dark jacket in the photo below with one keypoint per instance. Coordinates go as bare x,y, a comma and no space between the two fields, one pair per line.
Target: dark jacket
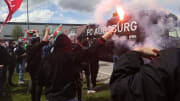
12,55
34,57
5,58
60,71
132,80
19,52
47,50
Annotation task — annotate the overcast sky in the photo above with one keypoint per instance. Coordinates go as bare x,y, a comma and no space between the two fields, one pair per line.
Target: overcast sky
75,11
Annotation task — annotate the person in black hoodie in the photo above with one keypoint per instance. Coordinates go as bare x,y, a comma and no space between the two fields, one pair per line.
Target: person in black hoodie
133,80
11,68
34,57
5,60
59,72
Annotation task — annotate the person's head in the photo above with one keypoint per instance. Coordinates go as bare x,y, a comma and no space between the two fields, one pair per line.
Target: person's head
35,41
73,38
11,43
63,43
1,42
20,43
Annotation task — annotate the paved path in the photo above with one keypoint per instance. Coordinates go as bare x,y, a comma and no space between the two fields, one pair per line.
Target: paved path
105,71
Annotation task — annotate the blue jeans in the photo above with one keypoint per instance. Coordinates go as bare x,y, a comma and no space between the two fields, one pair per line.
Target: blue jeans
17,68
3,71
115,61
21,70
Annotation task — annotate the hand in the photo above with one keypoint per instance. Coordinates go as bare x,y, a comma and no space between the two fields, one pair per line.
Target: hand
24,54
1,66
37,33
109,34
46,36
47,29
147,52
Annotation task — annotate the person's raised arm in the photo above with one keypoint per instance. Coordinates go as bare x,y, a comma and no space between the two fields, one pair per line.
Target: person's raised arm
95,49
147,52
109,34
127,72
46,36
131,61
36,33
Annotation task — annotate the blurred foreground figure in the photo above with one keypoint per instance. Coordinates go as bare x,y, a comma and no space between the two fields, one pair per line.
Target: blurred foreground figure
59,72
34,59
11,67
132,80
5,60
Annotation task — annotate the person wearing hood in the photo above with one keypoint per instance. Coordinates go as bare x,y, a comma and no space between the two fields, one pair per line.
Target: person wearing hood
34,57
59,71
133,80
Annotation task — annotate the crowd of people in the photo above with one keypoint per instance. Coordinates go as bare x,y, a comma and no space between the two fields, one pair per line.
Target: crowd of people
13,56
57,66
29,56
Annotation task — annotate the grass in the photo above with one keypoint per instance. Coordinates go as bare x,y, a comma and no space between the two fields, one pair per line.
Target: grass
20,93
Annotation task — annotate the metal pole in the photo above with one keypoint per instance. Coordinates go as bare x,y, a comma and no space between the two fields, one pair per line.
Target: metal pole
28,14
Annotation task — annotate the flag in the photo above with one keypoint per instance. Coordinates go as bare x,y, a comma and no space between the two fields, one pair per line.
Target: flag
30,32
26,38
81,29
13,6
57,31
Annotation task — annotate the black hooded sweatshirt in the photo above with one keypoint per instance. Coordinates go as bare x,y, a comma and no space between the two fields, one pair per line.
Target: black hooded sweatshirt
59,72
5,58
132,80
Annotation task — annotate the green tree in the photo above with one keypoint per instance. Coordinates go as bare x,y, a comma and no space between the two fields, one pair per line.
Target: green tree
17,32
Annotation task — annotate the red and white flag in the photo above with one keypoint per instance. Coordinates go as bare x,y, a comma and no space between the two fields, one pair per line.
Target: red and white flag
57,31
13,6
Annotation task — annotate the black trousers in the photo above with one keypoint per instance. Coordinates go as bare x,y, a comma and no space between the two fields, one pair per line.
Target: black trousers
79,84
94,68
36,88
10,74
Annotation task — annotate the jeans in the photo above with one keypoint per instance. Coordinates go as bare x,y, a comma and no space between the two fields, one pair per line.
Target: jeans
115,61
86,69
21,69
3,71
17,68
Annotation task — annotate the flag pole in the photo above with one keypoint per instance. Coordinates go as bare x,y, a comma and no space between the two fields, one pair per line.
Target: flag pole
28,14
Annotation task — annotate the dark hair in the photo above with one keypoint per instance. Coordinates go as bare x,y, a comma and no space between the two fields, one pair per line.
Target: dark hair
11,42
63,43
35,40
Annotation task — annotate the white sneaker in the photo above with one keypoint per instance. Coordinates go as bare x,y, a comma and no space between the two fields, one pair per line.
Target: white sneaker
91,91
21,82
